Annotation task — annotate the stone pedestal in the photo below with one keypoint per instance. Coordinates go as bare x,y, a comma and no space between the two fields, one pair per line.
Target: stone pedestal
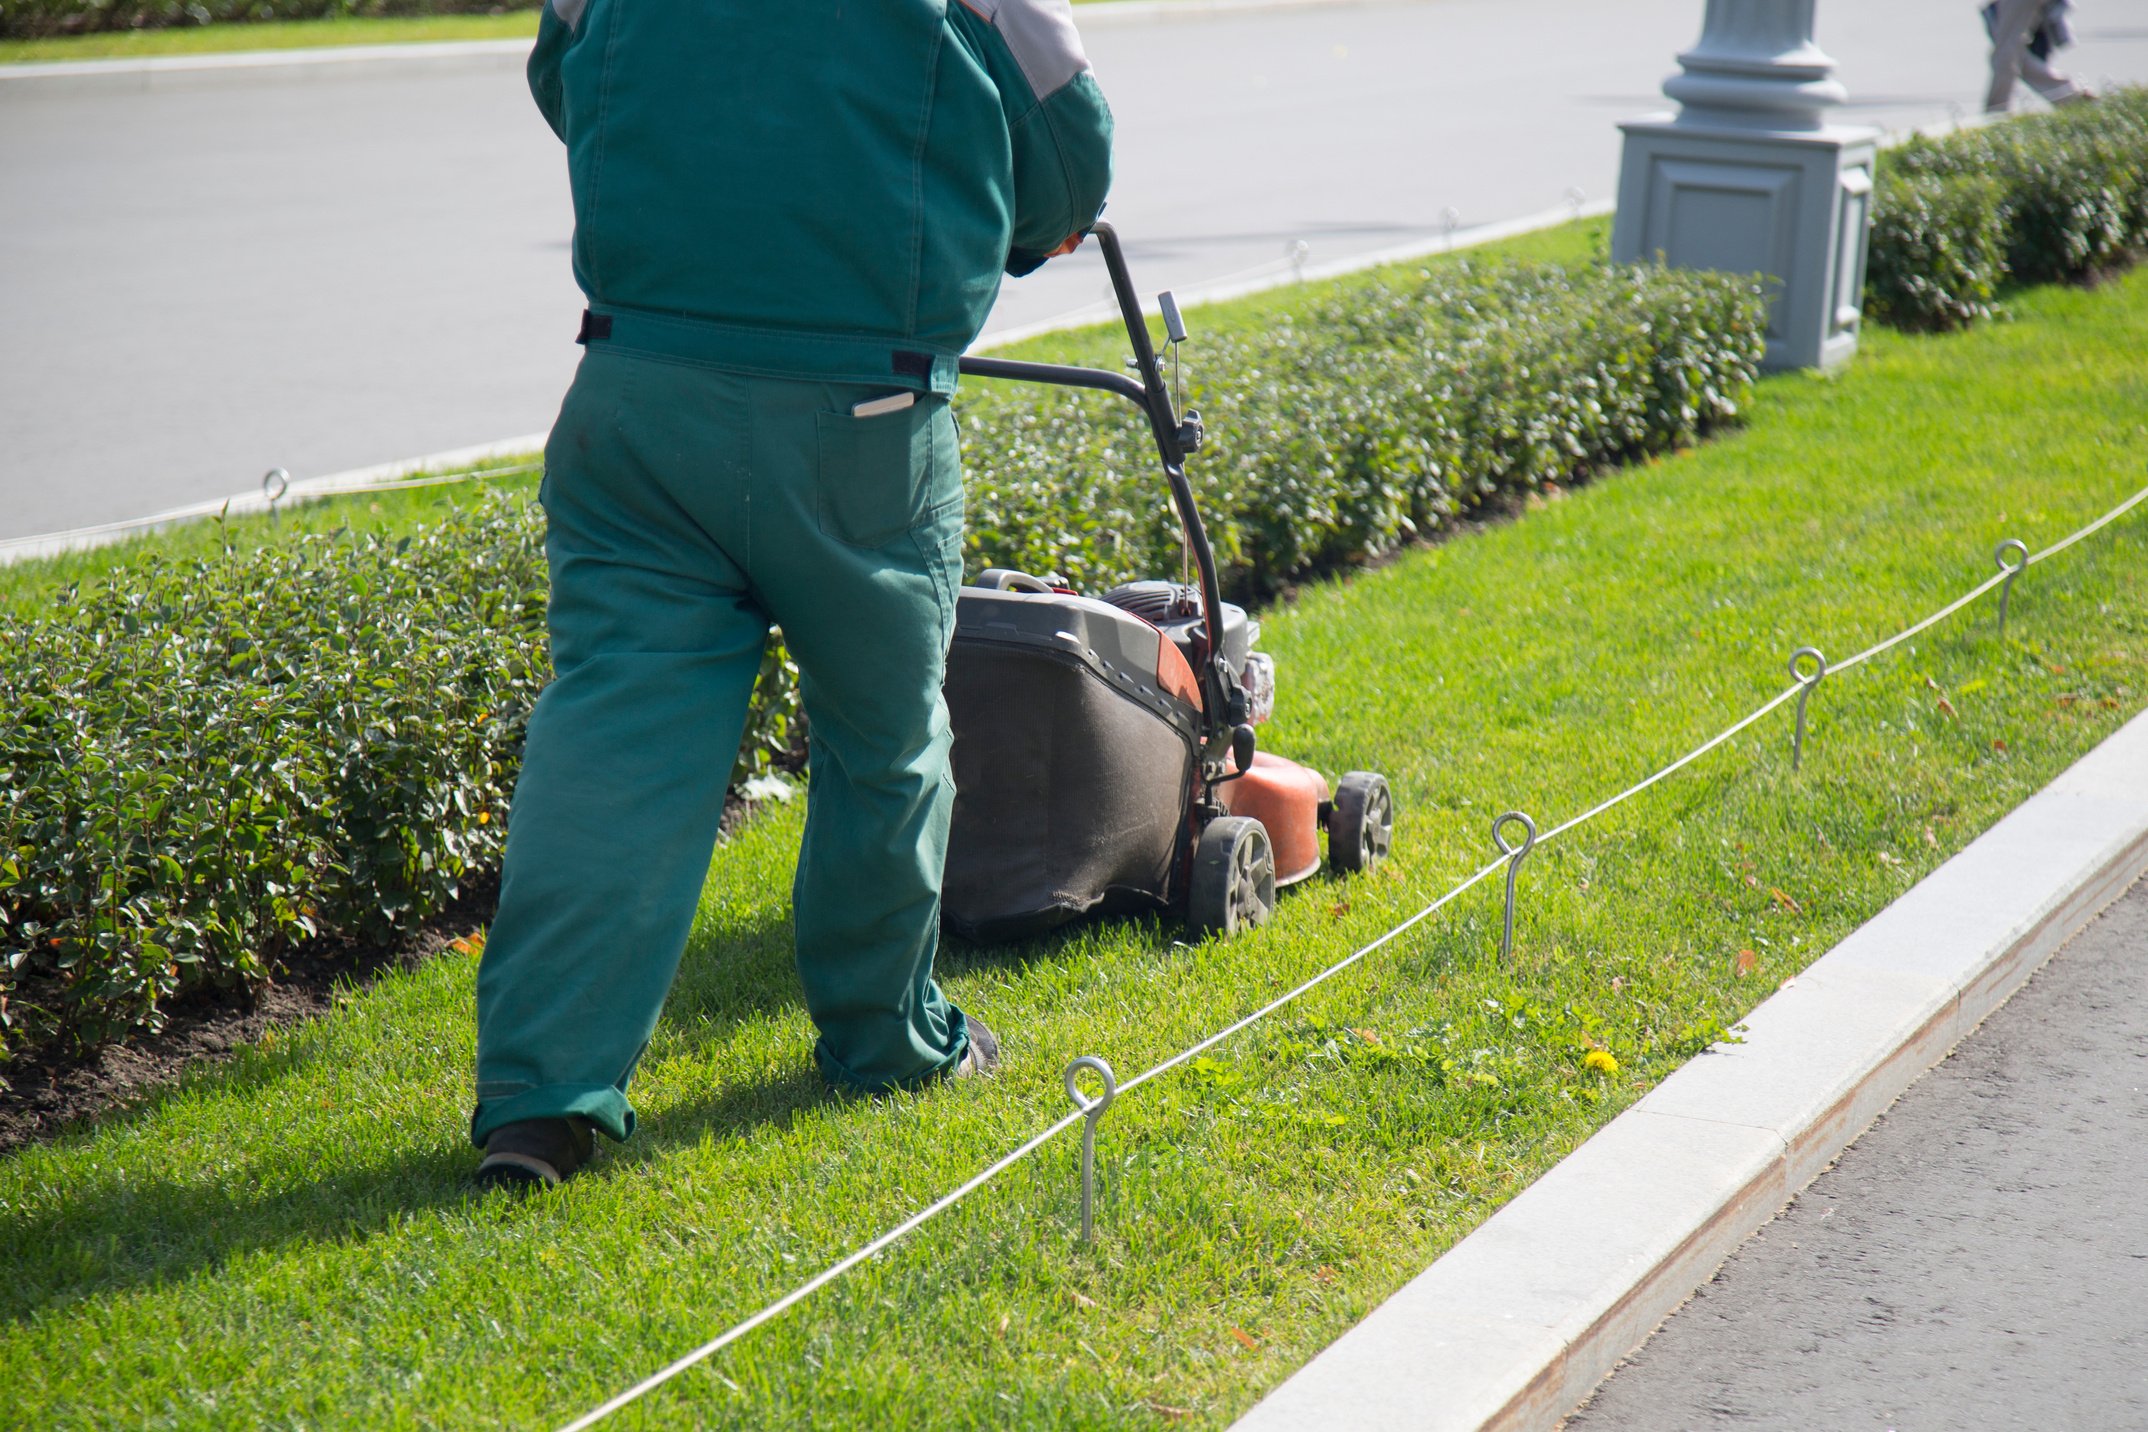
1749,177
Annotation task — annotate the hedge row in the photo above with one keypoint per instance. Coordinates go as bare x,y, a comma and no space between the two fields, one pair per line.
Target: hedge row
203,762
1367,422
206,762
2057,197
32,19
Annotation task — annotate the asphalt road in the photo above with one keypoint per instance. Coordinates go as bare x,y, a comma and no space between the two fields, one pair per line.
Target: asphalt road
327,266
1978,1259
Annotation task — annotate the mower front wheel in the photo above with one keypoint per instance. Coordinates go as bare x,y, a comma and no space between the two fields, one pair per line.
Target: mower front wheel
1362,823
1233,884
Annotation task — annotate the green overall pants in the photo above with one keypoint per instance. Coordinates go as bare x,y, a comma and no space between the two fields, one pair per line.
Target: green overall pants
688,509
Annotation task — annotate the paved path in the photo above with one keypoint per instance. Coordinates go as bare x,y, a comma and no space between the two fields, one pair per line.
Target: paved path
322,267
1979,1258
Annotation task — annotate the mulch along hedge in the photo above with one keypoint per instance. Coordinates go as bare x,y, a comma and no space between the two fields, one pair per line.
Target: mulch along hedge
206,762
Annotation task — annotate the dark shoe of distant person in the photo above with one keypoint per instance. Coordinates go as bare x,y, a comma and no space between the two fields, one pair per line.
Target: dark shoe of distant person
982,1057
532,1154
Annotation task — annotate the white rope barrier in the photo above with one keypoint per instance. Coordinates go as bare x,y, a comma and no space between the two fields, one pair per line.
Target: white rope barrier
927,1214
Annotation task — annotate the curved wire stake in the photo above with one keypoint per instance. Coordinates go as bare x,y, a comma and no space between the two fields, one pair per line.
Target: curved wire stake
1450,219
1091,1111
1515,855
274,484
2020,549
1806,682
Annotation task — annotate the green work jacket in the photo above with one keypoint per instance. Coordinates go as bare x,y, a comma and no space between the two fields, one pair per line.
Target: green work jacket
817,189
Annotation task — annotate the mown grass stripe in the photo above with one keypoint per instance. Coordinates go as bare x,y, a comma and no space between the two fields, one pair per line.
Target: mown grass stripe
1191,1052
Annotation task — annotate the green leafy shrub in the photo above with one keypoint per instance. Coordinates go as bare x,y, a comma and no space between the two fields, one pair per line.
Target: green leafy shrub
1369,421
2070,190
207,761
32,19
204,761
1938,249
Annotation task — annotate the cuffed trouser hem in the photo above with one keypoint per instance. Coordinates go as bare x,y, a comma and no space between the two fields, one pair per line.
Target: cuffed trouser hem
601,1104
843,1077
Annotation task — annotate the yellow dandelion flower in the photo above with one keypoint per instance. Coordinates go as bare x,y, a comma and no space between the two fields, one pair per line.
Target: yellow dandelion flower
1599,1061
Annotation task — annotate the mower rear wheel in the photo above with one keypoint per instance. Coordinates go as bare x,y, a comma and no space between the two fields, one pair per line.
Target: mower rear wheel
1233,884
1362,823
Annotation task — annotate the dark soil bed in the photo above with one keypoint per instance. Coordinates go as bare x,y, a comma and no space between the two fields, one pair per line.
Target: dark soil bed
47,1097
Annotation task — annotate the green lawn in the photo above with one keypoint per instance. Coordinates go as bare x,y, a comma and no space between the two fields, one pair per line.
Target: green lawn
399,507
270,35
287,1240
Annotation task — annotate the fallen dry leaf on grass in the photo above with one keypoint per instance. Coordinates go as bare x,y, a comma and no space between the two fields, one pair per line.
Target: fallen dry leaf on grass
1246,1340
1786,902
1746,960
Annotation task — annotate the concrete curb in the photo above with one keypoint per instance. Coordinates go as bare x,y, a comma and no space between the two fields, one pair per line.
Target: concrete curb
148,69
356,480
1516,1325
1268,276
1282,273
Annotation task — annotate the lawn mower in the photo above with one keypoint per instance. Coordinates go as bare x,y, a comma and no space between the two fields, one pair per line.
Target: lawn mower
1105,756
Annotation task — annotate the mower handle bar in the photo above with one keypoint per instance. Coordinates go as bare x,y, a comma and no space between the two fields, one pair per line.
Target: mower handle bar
1154,400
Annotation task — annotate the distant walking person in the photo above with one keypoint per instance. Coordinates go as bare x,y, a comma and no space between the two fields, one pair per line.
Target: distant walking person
2023,35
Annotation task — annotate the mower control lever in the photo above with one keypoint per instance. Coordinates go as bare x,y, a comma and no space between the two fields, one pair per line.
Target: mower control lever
1190,431
1174,324
1242,745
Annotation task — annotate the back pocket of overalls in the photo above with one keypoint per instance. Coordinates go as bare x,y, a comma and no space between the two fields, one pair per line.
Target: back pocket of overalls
875,473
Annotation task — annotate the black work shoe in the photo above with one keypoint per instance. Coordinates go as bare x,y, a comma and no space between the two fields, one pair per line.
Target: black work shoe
534,1153
982,1057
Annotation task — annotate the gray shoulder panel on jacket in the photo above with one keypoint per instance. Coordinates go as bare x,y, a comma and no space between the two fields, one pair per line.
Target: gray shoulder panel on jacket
1041,35
569,11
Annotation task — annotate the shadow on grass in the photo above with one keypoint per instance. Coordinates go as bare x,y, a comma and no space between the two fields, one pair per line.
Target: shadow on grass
116,1231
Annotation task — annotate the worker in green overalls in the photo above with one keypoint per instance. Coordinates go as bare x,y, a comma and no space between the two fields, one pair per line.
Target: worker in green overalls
790,220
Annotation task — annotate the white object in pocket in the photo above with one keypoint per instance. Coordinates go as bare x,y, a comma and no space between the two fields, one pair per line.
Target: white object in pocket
892,403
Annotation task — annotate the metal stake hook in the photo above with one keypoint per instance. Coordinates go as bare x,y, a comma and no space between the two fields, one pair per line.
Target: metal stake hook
1450,219
1515,854
1092,1110
274,484
2020,549
1805,685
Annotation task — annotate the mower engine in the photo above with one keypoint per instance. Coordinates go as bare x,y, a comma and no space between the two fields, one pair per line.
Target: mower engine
1175,610
1104,754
